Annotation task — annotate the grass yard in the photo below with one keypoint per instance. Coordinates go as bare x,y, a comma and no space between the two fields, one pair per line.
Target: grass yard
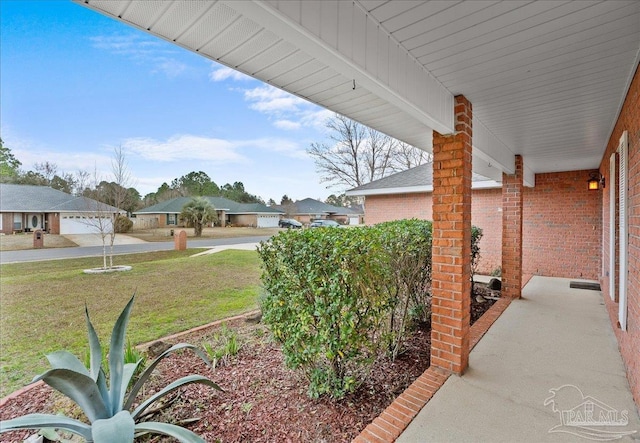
42,304
164,234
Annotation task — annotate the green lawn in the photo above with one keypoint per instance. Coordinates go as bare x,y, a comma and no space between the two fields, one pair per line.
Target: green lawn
42,304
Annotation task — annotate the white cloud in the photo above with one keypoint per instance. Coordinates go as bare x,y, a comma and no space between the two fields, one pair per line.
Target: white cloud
184,147
287,125
281,146
221,73
155,53
271,100
316,117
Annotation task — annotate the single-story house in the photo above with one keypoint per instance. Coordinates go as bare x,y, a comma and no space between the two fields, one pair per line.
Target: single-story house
558,207
307,210
167,214
540,96
26,208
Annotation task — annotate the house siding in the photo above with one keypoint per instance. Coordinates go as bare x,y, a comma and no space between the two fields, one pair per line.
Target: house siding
486,213
244,220
629,340
7,223
561,222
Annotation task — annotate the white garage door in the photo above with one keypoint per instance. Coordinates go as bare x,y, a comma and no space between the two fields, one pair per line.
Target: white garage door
81,224
268,221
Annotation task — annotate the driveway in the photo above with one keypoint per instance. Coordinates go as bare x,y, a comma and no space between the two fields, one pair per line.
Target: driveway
83,240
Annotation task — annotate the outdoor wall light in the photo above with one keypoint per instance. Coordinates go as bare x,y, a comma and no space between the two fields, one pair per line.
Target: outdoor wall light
596,180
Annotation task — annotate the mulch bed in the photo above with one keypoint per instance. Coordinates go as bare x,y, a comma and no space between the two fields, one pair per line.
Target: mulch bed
263,401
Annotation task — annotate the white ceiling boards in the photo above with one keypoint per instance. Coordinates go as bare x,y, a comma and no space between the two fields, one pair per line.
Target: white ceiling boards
546,78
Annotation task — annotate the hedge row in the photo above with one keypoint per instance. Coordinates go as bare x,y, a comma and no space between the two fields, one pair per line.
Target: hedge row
336,298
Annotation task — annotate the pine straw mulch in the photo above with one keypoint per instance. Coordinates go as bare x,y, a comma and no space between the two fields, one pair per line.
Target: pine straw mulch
263,401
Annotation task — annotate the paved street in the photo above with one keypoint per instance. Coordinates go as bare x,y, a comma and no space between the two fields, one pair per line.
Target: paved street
32,255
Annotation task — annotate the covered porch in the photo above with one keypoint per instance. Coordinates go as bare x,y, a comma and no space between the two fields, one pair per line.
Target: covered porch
519,92
534,376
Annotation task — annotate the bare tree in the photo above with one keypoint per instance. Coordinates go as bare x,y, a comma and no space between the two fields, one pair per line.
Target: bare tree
107,199
359,154
47,170
407,156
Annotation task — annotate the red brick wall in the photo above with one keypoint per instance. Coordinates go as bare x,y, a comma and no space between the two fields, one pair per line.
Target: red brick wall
512,235
629,340
382,208
486,213
562,227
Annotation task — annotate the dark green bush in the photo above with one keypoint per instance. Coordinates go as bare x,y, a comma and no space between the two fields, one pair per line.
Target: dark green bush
324,302
407,244
336,297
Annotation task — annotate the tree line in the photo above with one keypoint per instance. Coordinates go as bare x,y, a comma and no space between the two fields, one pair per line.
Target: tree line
355,155
116,191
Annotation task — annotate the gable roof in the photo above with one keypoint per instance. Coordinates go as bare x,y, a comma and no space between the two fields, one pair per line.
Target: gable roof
416,179
175,205
31,198
311,207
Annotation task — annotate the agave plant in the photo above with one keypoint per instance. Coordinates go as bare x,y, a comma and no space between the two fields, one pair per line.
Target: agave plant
109,408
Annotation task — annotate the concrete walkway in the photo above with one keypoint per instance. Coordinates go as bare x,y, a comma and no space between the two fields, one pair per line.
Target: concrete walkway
549,353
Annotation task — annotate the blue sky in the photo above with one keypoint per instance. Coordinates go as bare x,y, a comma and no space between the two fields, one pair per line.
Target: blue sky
75,84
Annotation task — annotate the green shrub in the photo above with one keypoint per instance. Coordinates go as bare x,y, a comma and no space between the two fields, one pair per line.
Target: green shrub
407,244
336,297
476,236
323,303
123,224
107,407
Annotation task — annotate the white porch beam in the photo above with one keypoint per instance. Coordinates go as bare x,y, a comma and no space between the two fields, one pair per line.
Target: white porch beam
361,51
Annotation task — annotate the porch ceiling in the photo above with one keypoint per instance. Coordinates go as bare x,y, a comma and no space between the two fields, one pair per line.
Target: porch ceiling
546,78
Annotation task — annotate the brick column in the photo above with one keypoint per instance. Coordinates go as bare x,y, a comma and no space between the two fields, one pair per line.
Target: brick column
451,285
512,190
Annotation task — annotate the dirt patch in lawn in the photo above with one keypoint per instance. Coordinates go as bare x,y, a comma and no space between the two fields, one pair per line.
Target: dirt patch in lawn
19,242
264,401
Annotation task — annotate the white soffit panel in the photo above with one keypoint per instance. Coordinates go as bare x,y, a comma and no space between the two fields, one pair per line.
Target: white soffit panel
546,79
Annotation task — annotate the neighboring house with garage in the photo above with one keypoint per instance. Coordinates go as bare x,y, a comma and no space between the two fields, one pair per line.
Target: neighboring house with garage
166,214
307,210
26,208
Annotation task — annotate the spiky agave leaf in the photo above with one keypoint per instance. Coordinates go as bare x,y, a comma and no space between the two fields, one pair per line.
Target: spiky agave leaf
66,360
95,361
181,434
117,429
95,349
149,369
116,358
170,388
39,421
80,388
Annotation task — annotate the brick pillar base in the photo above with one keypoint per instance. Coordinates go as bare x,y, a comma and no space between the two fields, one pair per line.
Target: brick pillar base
180,240
512,191
451,285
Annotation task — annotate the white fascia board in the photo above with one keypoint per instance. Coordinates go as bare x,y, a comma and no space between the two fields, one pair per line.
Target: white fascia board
485,184
489,149
277,22
389,191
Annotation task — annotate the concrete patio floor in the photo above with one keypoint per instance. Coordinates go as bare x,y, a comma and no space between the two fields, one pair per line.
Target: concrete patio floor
553,346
